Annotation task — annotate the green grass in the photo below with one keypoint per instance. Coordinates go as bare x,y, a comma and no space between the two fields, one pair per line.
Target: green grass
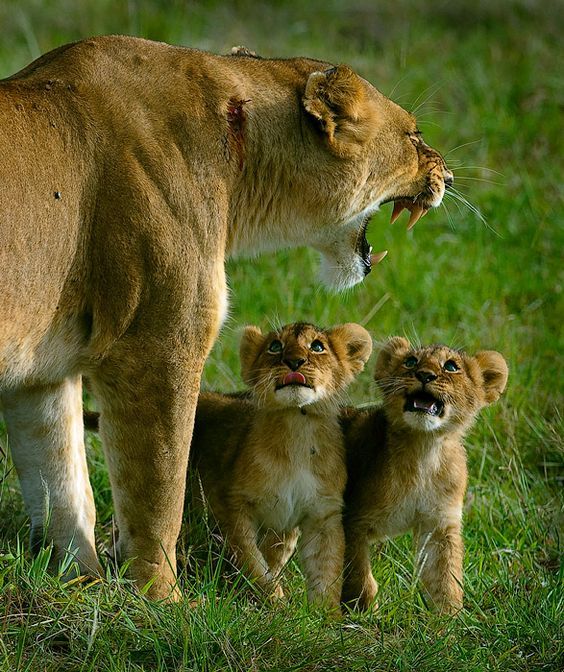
487,79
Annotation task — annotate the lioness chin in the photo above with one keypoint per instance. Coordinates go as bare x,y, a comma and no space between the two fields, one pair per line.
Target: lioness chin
130,170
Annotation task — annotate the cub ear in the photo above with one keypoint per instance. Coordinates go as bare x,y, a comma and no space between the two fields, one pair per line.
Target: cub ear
251,340
358,343
394,348
336,98
494,373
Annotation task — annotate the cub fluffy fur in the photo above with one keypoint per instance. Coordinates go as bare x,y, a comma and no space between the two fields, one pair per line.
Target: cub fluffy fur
407,463
274,463
130,171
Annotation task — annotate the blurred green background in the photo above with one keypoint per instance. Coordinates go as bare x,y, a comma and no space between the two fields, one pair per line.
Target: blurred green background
485,80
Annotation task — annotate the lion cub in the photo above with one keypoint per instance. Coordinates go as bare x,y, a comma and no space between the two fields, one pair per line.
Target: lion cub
273,464
407,463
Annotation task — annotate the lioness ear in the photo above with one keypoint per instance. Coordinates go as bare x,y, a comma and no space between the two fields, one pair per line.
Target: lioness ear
336,98
251,340
358,343
494,373
395,347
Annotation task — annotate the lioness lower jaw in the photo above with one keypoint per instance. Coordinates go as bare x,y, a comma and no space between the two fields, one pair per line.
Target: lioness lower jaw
339,274
342,266
338,271
347,258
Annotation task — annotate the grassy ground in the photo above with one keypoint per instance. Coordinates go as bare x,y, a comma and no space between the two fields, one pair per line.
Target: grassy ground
486,80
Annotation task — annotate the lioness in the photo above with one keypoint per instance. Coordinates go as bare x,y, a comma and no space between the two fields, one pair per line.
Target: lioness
129,171
407,463
274,464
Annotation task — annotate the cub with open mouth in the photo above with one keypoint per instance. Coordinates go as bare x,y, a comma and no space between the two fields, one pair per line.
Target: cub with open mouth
271,462
407,463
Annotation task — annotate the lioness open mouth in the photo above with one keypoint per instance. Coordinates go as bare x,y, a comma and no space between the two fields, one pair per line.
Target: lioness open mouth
423,402
364,249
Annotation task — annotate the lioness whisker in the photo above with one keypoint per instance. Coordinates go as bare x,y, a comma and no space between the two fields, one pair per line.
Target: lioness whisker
457,196
464,144
482,168
467,178
433,89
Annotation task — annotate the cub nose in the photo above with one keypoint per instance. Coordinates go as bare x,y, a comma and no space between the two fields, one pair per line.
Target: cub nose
448,178
425,376
293,364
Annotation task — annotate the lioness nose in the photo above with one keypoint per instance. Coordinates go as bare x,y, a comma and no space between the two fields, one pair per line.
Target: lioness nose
294,364
425,376
448,178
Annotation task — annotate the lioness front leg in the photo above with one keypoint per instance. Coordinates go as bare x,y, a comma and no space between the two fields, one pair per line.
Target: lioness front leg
321,549
46,438
147,398
440,553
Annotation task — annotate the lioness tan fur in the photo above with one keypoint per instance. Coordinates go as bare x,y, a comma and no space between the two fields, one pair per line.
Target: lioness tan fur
129,171
274,464
407,463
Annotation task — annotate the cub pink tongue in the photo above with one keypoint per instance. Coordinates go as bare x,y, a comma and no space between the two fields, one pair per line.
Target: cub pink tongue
294,378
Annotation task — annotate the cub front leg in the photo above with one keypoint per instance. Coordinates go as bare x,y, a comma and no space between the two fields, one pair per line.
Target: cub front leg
321,549
440,553
241,533
277,550
46,438
359,585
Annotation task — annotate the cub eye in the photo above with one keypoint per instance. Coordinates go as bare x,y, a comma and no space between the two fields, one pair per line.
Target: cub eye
275,347
451,366
317,346
410,362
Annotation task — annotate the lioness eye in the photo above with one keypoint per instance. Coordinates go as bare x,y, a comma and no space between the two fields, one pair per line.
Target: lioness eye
317,346
410,362
275,347
451,365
